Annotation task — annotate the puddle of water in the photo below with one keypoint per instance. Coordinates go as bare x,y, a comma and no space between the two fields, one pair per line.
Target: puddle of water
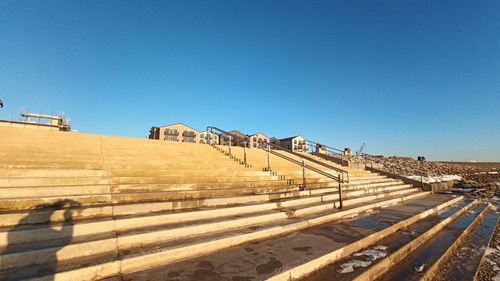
420,268
351,265
372,254
370,223
350,216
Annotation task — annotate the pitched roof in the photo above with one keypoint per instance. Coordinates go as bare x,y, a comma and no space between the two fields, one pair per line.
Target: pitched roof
237,133
257,134
291,138
179,124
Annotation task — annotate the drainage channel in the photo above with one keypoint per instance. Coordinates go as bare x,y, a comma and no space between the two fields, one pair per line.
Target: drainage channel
361,261
464,262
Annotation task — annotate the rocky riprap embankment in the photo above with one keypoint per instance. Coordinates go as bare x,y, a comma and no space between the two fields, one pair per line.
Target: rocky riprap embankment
479,180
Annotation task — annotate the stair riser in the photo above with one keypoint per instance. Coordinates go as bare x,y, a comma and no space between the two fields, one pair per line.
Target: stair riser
305,211
384,265
35,182
434,269
303,270
132,209
169,256
122,225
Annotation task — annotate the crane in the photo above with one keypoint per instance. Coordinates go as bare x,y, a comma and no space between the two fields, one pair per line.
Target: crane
360,151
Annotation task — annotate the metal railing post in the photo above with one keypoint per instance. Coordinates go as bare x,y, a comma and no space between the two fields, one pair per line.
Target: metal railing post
341,181
245,153
268,160
303,174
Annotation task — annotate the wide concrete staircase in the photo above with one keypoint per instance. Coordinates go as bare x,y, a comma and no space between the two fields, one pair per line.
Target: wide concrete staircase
89,207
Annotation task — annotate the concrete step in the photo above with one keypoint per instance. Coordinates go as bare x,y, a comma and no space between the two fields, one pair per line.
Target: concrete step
35,182
152,190
33,202
464,258
208,171
11,182
10,173
248,214
261,259
69,257
104,194
40,216
393,251
73,166
432,254
336,262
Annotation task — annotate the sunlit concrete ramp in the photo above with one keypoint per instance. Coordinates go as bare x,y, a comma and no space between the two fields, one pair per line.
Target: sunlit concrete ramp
89,207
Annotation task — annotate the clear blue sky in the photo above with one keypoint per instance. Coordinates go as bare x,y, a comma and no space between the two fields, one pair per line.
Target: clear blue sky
406,77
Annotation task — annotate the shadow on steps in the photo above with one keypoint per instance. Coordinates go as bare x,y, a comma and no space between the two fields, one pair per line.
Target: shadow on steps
50,258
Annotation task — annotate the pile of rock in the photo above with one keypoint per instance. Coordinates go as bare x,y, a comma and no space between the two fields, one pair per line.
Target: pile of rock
481,181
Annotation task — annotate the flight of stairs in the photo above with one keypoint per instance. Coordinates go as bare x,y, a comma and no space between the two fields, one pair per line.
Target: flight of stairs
89,207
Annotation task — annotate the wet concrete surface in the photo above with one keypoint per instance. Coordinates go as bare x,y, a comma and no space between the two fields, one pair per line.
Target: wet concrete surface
343,269
464,262
263,259
416,263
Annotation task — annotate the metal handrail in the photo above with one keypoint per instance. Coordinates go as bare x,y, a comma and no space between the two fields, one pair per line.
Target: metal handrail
337,151
310,159
330,151
340,177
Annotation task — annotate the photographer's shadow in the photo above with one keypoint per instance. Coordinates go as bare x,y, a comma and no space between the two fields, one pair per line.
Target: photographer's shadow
48,238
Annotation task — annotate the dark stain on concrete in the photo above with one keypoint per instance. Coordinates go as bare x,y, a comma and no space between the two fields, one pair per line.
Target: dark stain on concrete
173,274
269,266
342,233
242,278
228,268
206,272
205,265
302,249
370,223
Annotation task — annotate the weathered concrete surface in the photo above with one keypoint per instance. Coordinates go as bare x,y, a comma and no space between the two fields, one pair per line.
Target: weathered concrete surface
397,245
263,259
434,187
94,208
464,262
387,264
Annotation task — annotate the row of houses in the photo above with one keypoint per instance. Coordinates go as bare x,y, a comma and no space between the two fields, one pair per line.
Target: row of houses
182,133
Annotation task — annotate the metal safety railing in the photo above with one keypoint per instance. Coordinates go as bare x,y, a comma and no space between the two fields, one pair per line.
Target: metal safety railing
321,150
341,177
